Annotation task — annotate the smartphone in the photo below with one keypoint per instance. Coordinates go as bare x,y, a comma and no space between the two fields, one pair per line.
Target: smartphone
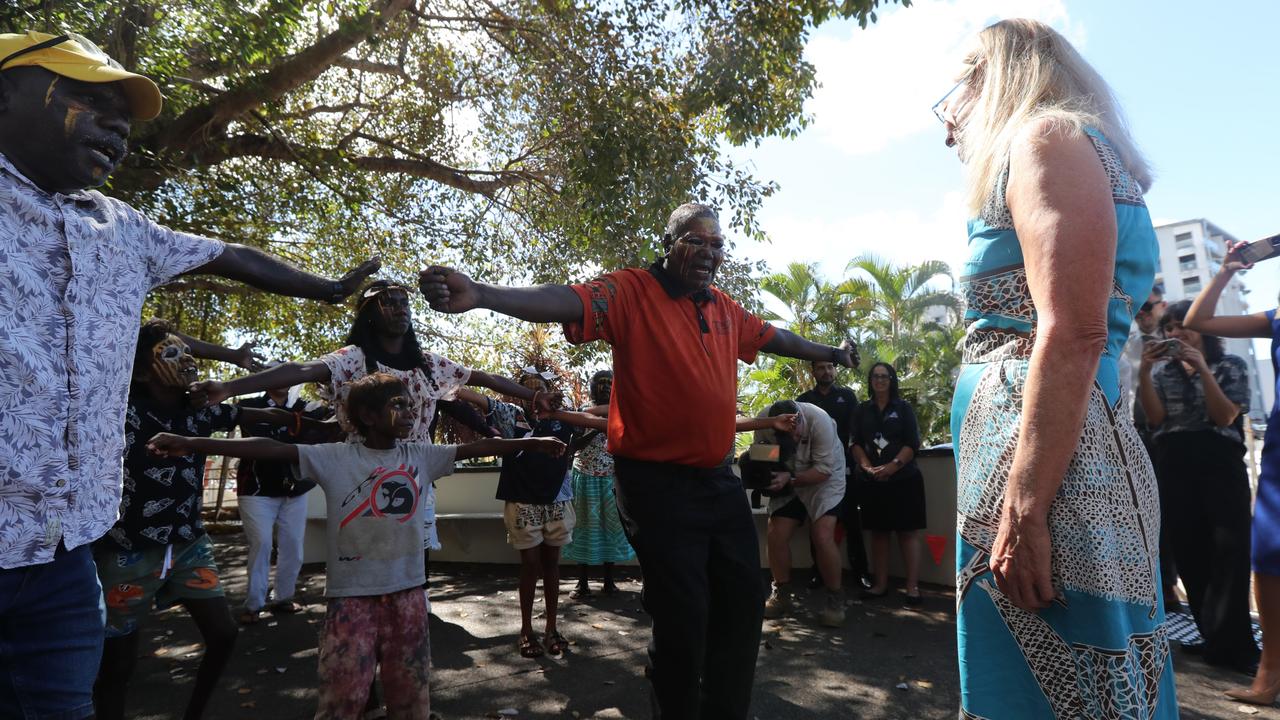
1262,249
1170,348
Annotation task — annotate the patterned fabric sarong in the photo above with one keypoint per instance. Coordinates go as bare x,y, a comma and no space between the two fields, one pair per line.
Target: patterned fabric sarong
1101,650
598,537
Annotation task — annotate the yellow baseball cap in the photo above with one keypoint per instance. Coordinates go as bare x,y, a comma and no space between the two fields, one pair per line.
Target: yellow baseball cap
71,55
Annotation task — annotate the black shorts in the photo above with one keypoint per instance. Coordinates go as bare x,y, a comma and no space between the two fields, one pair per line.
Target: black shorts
795,510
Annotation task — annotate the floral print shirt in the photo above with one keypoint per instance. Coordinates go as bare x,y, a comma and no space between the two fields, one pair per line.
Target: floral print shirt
594,459
76,268
348,363
161,501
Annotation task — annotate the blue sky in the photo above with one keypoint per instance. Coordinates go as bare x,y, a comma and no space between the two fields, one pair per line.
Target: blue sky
1200,85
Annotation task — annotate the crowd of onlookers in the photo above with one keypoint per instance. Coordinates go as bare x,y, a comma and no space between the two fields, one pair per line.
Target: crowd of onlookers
1067,544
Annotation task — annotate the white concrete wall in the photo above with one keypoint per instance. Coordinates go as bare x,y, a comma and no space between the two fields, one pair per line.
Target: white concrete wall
483,539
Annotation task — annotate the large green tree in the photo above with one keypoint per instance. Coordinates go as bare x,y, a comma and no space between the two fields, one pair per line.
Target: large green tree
521,139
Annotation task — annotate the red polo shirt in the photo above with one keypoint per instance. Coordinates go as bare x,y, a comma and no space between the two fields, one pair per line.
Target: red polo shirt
675,364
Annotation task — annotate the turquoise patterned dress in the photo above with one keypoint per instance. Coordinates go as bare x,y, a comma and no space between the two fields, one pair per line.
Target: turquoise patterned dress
1101,650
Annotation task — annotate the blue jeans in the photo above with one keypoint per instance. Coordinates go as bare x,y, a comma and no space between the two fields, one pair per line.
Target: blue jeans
51,630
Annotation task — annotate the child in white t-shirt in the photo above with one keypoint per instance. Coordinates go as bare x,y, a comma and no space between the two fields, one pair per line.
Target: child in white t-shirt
375,492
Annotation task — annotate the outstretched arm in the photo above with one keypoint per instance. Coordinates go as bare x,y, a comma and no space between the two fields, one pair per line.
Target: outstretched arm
788,344
450,291
268,272
581,419
502,446
280,376
297,423
1200,316
244,356
168,445
544,402
781,423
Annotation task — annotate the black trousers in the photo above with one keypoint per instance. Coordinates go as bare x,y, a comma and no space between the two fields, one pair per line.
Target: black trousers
851,515
1206,492
696,542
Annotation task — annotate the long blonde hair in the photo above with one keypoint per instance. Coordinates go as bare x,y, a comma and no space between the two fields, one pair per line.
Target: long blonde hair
1027,72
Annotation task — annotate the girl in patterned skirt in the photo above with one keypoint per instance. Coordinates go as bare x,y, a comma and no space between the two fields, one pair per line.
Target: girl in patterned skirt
598,538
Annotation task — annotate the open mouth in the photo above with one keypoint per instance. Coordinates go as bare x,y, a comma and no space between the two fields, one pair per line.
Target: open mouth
105,151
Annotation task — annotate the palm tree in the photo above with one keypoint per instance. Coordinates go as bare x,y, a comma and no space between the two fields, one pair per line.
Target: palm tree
893,303
807,298
905,318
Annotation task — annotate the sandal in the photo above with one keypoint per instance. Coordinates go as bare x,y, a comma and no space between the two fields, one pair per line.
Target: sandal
556,643
530,646
250,617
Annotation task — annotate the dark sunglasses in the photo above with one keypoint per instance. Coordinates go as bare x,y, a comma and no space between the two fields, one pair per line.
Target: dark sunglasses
1148,305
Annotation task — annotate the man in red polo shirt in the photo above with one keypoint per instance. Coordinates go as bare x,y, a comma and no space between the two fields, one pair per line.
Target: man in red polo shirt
676,342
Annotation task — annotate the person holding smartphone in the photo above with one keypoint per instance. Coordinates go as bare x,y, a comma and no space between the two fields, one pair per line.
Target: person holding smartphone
1196,404
1266,514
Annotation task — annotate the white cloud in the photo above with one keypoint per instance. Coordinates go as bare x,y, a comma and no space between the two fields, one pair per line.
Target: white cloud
903,237
878,84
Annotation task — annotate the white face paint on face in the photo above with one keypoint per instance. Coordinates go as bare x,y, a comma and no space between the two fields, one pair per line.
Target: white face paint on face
172,363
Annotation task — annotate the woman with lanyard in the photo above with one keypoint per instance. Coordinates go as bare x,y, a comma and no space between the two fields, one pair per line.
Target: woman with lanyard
885,440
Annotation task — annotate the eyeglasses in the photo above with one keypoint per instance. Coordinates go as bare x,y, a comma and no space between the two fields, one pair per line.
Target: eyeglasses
698,242
937,107
1148,305
968,75
881,376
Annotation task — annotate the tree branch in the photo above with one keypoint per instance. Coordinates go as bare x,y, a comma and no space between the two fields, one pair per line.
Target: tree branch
211,117
420,166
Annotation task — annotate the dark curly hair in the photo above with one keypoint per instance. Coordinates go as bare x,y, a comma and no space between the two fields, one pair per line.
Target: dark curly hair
371,392
151,333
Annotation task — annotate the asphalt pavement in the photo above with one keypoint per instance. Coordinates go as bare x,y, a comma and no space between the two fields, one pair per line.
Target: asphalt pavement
886,662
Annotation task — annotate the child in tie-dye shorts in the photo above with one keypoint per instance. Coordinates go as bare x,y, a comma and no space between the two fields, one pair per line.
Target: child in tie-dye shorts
375,492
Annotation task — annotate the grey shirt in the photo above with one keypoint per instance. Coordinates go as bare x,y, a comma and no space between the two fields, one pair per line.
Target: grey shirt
1183,397
818,448
376,502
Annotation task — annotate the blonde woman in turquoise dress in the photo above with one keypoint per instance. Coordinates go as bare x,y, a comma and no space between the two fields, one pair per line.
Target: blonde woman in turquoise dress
1059,611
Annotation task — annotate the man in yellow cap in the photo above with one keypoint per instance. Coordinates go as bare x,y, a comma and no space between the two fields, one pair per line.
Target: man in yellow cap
76,268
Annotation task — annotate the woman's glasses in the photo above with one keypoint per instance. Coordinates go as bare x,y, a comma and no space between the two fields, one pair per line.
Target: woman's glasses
941,104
